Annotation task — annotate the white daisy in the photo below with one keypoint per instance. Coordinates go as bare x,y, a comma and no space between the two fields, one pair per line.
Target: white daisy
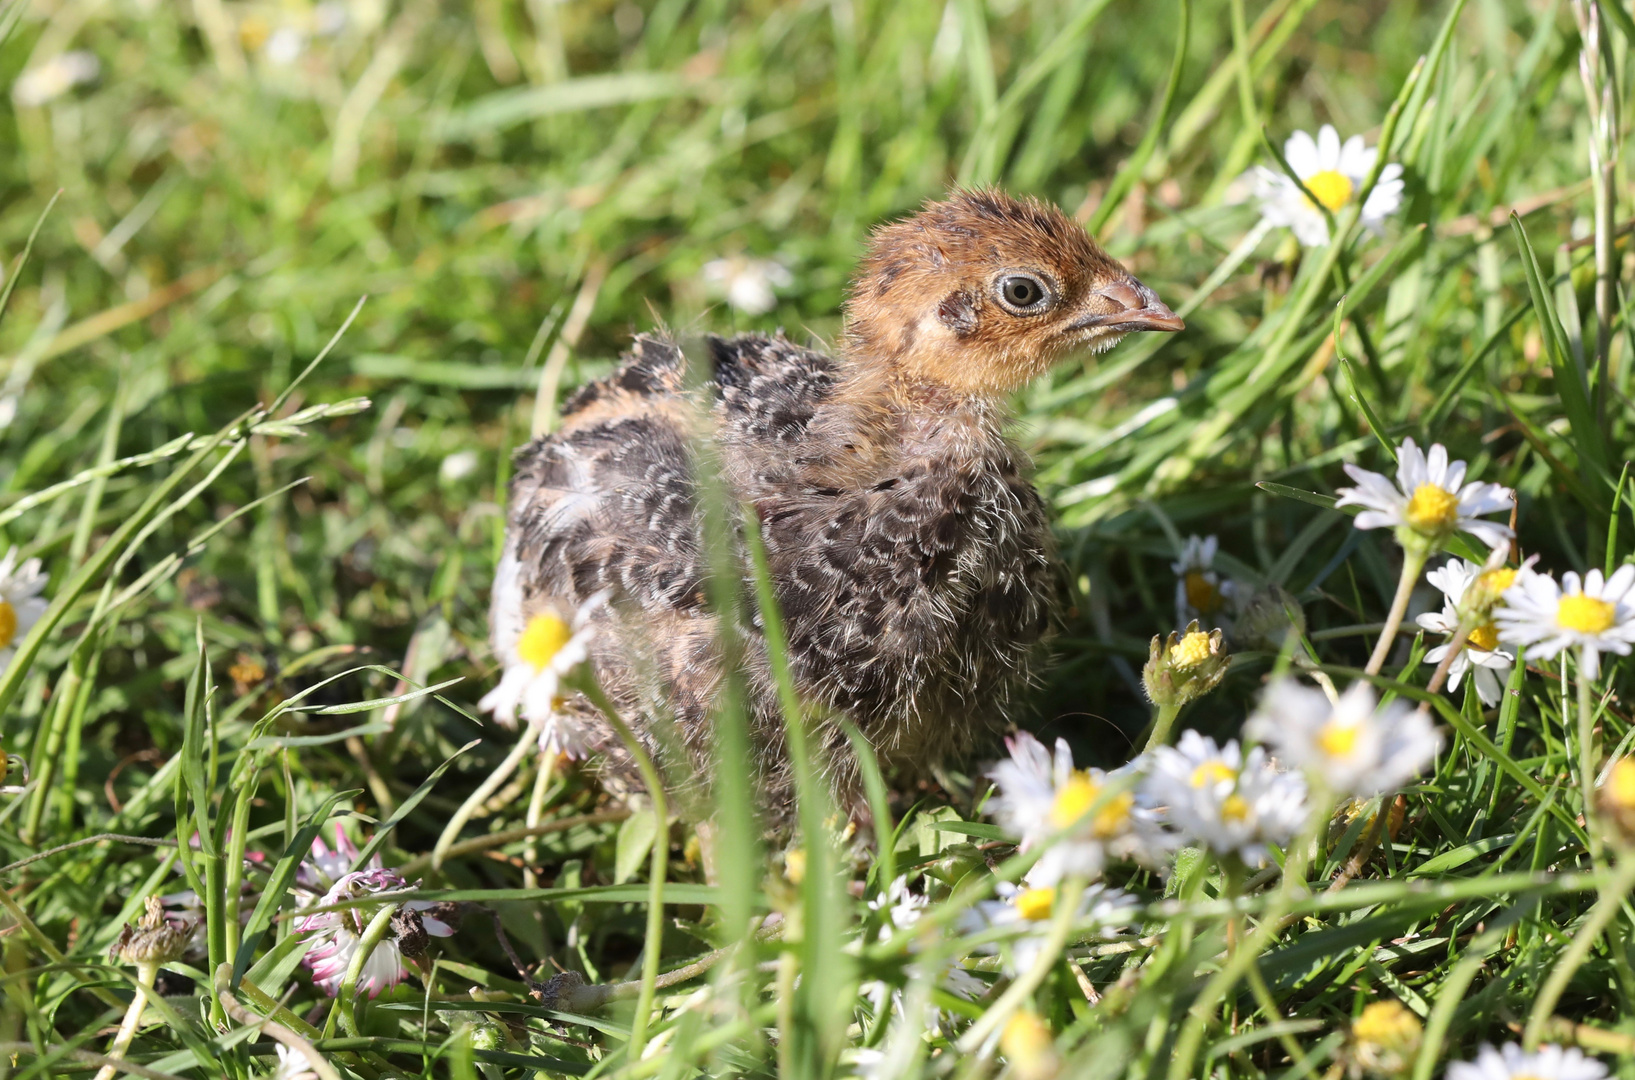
1430,499
748,284
1334,174
1200,592
55,77
1511,1062
1219,798
1596,614
902,909
1026,913
1481,653
537,655
1351,747
1086,816
21,604
293,1065
337,934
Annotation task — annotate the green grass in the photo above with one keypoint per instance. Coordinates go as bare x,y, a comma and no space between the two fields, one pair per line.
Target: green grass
474,170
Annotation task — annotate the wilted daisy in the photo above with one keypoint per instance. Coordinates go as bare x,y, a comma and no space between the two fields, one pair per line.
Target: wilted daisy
1090,815
323,866
1350,746
1334,174
1430,500
21,604
1026,912
1219,798
748,284
537,655
55,77
1595,614
1511,1062
337,934
1481,652
1200,592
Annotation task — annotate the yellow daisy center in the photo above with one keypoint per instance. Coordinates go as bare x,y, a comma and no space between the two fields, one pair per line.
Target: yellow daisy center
1495,582
542,639
1211,772
1073,800
1027,1043
1035,904
1620,786
1330,187
1385,1022
1583,613
1112,817
8,624
1337,740
1235,808
1484,637
1191,650
1432,508
1202,595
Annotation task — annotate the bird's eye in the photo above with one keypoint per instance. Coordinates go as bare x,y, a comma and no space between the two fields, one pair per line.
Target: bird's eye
1022,294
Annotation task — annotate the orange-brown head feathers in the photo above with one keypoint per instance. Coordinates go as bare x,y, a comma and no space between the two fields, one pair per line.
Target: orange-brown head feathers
981,293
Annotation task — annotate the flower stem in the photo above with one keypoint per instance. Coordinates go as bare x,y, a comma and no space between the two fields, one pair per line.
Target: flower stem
528,740
1586,755
1161,725
1413,561
348,1005
146,973
1583,940
586,684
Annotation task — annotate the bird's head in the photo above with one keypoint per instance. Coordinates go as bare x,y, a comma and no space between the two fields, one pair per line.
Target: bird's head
981,293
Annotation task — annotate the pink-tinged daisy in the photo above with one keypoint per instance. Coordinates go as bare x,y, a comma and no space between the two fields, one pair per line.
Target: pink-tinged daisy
337,934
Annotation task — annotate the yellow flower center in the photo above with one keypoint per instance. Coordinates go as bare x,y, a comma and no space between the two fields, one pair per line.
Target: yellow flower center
794,865
1583,613
1234,809
1337,740
1073,800
1027,1044
1385,1022
1035,904
542,639
1190,651
1202,595
1620,786
1330,187
8,624
1211,772
1432,509
1112,818
1484,637
1495,582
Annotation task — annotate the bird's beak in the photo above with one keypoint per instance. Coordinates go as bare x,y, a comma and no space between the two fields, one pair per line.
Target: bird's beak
1139,309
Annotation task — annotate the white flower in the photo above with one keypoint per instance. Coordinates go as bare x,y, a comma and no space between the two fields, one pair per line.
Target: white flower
1085,815
1491,665
1511,1062
1430,498
1026,913
20,602
1216,797
748,284
1334,174
1597,614
1199,591
1351,747
537,656
337,934
457,466
55,78
284,46
903,909
293,1065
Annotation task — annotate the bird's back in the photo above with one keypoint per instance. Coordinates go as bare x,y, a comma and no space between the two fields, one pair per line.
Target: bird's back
909,554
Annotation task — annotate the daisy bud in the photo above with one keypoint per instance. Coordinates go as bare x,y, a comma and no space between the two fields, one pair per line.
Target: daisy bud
1617,798
1385,1040
1029,1047
1268,618
1186,667
153,940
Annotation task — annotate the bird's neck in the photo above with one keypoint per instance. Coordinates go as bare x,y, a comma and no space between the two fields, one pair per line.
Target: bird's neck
896,416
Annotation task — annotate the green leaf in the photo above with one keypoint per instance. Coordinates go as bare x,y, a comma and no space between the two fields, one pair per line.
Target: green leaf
634,842
406,807
1326,502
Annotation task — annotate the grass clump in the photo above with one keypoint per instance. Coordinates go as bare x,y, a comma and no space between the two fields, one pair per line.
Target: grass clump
267,518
